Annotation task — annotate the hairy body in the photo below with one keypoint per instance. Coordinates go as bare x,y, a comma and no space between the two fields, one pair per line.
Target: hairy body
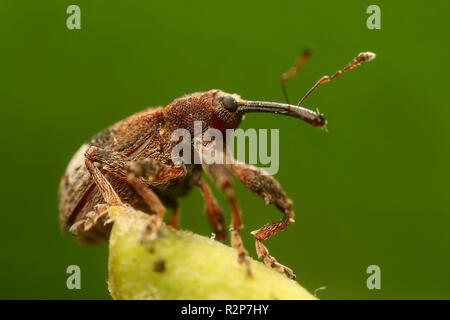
130,164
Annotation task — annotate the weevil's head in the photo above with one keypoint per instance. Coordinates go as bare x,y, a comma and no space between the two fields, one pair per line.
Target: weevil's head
229,110
221,110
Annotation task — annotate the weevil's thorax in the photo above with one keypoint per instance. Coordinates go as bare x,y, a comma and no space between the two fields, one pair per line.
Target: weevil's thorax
206,107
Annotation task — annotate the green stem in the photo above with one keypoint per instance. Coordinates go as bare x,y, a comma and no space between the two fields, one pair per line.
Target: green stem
183,265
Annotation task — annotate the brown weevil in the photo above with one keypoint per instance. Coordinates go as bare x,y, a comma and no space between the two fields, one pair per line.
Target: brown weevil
130,163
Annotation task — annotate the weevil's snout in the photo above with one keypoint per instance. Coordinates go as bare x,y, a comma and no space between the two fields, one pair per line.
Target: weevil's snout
319,121
230,108
313,118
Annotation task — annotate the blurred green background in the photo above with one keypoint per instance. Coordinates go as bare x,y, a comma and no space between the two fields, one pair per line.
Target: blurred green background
374,190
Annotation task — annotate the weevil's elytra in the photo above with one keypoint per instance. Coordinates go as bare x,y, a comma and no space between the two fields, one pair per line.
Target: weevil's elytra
130,164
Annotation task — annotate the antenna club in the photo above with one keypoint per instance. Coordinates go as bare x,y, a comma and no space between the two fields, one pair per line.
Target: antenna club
366,56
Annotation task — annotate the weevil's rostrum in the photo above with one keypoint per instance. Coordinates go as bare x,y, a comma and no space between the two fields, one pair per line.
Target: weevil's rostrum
130,163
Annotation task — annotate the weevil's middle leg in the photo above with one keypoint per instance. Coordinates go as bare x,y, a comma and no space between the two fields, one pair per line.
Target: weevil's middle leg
175,218
221,175
151,198
270,190
213,211
236,225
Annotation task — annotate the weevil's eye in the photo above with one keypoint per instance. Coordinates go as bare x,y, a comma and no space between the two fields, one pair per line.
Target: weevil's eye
229,103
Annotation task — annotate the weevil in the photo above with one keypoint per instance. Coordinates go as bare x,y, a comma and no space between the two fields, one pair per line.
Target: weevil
130,163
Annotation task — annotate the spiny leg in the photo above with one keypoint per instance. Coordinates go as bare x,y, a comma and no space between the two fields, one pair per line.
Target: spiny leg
271,191
175,218
139,173
213,211
294,70
154,203
266,232
362,57
121,165
100,212
221,175
109,195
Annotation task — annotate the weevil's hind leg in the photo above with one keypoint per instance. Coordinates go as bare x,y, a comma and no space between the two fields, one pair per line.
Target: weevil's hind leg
294,70
213,211
138,174
101,210
108,193
270,190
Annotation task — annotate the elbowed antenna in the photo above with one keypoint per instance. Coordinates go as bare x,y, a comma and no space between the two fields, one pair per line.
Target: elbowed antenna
311,117
360,58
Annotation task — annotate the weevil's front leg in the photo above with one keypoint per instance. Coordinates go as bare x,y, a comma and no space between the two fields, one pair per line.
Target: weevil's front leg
270,190
221,175
213,211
